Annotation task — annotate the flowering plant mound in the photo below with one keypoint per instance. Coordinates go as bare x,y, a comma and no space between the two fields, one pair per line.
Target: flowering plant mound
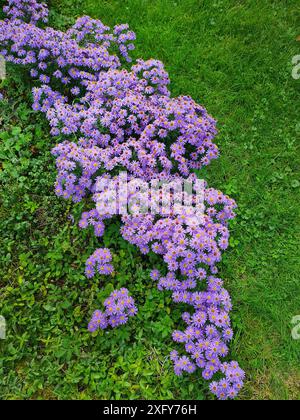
118,307
113,120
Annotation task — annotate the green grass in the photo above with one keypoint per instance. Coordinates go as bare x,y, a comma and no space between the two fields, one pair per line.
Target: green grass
235,58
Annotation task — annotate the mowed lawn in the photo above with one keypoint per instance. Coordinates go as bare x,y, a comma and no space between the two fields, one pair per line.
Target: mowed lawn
234,57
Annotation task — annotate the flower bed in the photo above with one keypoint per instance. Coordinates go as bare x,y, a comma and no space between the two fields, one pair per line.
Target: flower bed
113,119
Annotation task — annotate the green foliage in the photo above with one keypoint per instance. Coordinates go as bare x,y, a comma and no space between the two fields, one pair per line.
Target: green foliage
234,57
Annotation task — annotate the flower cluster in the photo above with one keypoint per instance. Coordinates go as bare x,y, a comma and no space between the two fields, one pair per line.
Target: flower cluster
120,126
100,260
112,120
119,306
206,335
66,60
27,10
92,218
